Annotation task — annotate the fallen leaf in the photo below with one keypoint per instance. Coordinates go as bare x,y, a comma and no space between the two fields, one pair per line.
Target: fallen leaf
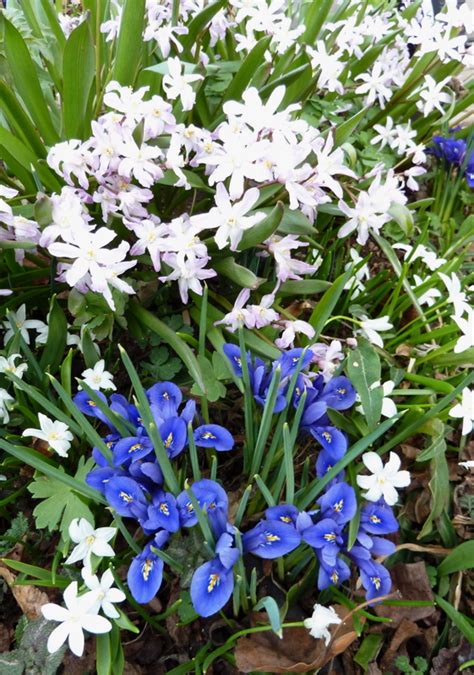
296,652
412,583
406,630
5,638
29,598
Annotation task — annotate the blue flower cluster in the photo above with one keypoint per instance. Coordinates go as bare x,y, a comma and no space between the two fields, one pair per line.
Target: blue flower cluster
134,487
454,151
337,394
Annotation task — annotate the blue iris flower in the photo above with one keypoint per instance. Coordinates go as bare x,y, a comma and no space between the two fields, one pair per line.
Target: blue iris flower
289,360
162,513
339,503
375,579
166,397
148,474
271,539
174,435
87,406
326,536
126,496
145,573
211,498
121,406
339,393
332,575
212,583
233,354
213,436
377,518
333,441
286,513
454,151
132,448
324,463
98,478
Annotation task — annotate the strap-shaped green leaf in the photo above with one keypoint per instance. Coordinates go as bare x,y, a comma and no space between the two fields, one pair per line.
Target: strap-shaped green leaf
25,77
78,76
130,42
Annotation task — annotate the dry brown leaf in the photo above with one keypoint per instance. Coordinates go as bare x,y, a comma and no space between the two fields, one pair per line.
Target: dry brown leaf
406,630
412,583
29,598
5,638
296,652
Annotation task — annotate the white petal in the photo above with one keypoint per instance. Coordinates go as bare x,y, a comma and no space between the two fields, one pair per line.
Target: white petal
390,494
373,462
57,638
76,639
401,479
53,612
96,624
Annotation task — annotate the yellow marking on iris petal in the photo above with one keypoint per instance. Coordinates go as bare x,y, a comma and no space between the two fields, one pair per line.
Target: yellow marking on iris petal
214,580
126,497
207,434
338,506
285,519
169,440
341,390
270,537
327,436
189,507
92,404
166,395
137,446
146,569
376,582
334,577
375,519
330,536
164,508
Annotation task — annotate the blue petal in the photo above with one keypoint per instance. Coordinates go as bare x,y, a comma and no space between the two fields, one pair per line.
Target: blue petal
339,393
174,435
286,513
271,539
211,587
131,449
233,354
378,519
213,436
339,502
167,398
126,496
375,579
332,440
145,575
332,575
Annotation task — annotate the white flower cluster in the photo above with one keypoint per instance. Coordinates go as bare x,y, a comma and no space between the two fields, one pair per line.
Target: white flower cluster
82,610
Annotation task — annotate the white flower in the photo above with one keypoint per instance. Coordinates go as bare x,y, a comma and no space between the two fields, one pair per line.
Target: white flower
5,401
286,266
22,323
106,596
78,615
327,357
318,623
384,479
429,257
329,65
465,409
89,541
238,316
229,218
291,328
433,95
467,327
456,297
56,434
385,134
370,328
177,84
389,409
97,377
363,217
375,85
467,465
429,296
7,365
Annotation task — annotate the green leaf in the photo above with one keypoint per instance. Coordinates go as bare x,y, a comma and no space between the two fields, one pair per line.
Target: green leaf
78,76
103,660
344,130
57,335
460,621
214,389
325,306
60,504
25,77
439,487
148,320
19,121
462,558
270,605
247,70
129,42
363,368
240,275
316,15
403,216
262,230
